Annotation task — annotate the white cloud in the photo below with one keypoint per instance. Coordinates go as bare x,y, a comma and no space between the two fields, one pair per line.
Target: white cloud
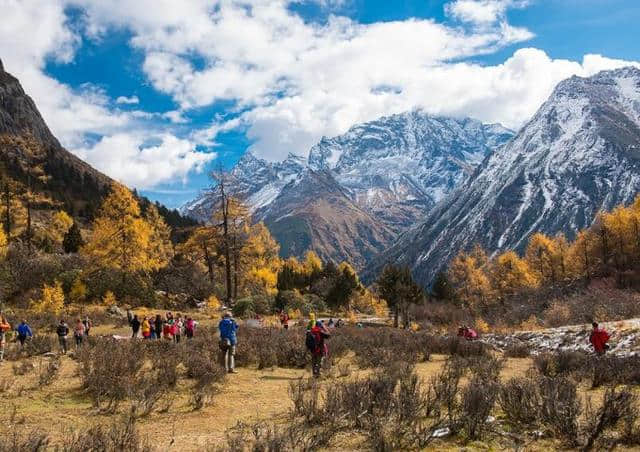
293,81
32,32
128,100
138,163
482,12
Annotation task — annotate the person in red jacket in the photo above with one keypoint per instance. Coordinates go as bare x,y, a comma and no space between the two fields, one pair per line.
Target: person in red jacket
468,333
320,349
599,338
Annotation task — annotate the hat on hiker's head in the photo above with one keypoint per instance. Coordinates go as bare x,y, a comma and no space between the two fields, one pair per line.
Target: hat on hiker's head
227,314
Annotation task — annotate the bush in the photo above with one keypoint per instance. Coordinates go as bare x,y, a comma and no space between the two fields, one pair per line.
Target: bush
121,436
560,407
520,401
478,398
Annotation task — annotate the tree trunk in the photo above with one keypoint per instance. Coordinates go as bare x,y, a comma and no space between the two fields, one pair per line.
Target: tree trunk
225,241
207,258
395,316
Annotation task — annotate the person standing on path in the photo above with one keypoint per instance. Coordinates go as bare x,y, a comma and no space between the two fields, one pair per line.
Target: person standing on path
190,328
146,328
320,349
598,339
228,341
5,326
135,326
24,331
62,331
87,325
159,323
78,332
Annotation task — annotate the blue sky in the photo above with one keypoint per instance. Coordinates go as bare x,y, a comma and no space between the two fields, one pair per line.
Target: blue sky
156,93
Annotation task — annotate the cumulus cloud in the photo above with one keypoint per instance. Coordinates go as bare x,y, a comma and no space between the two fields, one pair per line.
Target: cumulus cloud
128,100
143,163
291,81
482,12
74,115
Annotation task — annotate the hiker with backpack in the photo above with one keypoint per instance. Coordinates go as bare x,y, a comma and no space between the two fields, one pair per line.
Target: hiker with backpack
5,326
228,341
62,331
598,339
315,342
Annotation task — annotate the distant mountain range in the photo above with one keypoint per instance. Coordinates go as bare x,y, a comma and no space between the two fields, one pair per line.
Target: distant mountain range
355,193
578,155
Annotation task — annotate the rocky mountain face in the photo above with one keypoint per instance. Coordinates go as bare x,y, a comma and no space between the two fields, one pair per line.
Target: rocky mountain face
28,150
385,174
314,212
579,154
399,167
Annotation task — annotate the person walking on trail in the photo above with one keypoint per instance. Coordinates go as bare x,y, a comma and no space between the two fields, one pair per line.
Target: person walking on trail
159,324
5,326
228,341
190,328
135,326
318,347
78,332
178,326
146,328
62,331
129,316
598,339
284,319
24,331
87,325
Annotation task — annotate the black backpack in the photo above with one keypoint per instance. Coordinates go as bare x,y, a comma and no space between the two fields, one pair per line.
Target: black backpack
310,341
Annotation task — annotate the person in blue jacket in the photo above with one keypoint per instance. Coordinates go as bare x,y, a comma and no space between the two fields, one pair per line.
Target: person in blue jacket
228,341
24,331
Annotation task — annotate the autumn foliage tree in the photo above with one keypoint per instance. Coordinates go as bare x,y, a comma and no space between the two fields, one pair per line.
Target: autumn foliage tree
124,241
611,245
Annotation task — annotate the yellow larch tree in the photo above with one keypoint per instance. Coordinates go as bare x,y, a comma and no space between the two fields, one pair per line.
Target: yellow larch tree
121,238
468,278
51,300
160,246
542,256
60,224
511,274
202,247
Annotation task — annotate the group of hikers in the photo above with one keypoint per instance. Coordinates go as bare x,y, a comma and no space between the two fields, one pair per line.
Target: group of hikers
167,326
172,328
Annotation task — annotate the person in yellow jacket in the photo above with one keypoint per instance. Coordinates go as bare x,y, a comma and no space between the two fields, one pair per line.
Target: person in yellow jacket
312,321
146,328
4,327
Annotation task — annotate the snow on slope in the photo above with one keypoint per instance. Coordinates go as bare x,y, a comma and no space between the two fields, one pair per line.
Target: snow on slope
578,155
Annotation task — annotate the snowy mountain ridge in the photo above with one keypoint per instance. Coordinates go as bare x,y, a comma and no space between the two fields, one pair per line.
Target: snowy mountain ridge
579,154
395,167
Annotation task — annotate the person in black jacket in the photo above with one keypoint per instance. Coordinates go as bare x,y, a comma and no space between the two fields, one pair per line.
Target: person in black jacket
135,326
159,324
62,331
